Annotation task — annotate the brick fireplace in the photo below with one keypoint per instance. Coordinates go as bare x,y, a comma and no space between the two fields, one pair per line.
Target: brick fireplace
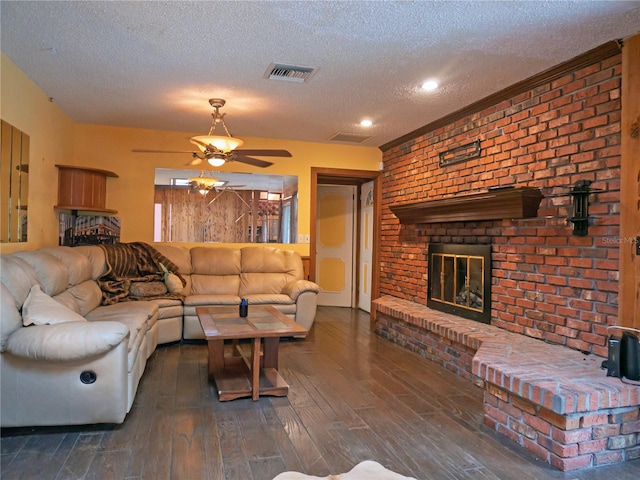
546,282
559,291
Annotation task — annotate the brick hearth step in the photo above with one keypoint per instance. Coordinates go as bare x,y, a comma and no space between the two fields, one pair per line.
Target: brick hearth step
556,402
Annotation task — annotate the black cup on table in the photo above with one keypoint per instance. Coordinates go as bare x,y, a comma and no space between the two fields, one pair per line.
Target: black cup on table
244,307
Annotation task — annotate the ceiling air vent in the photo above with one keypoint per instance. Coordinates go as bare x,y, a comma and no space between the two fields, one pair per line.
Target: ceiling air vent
348,137
289,73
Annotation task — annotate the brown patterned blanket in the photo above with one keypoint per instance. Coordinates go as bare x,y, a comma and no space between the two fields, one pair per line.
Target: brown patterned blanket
135,272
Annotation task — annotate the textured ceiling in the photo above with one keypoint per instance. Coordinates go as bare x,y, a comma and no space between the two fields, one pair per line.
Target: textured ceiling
152,64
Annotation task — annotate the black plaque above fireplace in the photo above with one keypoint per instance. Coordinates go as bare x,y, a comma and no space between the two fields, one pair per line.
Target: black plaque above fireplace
459,280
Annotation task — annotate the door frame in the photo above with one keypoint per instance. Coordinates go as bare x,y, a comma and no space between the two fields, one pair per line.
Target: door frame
339,176
365,231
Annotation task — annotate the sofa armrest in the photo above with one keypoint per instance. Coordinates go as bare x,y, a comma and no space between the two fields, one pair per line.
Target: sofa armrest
66,342
297,287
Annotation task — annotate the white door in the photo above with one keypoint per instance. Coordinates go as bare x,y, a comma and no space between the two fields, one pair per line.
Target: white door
334,243
366,246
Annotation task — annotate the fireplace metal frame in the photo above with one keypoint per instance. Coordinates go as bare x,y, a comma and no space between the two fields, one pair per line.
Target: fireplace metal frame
456,251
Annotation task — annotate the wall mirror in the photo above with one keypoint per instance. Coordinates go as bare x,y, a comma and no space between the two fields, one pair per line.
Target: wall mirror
14,188
225,207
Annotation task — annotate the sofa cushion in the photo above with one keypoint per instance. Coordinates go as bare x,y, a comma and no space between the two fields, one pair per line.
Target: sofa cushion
263,259
41,309
170,311
68,300
272,260
219,261
180,256
96,258
66,341
166,303
214,299
138,318
10,318
215,284
18,276
112,312
251,283
77,264
88,295
269,299
52,273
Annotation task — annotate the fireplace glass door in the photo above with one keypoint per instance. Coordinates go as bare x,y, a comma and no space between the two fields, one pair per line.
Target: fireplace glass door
459,280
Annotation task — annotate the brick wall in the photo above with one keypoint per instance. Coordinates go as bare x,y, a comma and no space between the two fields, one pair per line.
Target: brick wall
581,440
547,283
454,356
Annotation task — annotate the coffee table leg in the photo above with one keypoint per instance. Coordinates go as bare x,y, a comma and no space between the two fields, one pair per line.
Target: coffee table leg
270,354
255,369
216,356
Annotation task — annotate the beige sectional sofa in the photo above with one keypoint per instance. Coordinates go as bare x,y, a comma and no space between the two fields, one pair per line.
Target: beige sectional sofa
80,361
223,276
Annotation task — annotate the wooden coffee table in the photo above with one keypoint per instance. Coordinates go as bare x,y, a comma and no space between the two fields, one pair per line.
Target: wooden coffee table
241,373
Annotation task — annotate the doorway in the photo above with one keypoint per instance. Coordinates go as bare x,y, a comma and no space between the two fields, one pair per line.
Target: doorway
357,178
335,252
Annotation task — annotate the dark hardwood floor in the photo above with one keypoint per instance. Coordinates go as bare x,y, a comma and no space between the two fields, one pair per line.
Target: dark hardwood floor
353,397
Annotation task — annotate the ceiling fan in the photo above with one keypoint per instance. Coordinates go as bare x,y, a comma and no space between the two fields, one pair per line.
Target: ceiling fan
220,149
204,183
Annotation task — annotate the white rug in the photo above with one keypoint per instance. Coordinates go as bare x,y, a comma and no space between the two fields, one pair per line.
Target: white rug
367,470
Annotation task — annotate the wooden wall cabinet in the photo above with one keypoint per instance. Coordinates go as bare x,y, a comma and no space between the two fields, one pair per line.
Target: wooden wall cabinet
82,188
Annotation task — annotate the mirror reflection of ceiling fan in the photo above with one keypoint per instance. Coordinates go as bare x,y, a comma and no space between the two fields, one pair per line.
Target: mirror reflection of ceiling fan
204,183
220,149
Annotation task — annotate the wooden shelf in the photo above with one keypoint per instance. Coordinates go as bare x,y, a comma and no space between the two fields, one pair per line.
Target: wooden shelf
520,202
83,188
86,209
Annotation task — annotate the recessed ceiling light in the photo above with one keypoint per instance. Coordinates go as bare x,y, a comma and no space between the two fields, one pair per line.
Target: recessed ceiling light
366,123
430,85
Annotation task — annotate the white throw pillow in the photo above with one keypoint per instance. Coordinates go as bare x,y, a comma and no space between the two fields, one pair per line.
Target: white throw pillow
40,309
173,283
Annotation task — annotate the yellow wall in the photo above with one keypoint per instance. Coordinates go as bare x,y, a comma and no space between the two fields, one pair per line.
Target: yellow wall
26,107
57,140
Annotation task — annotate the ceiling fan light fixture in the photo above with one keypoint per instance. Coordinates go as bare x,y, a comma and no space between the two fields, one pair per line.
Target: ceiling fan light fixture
205,184
220,149
216,146
216,161
225,144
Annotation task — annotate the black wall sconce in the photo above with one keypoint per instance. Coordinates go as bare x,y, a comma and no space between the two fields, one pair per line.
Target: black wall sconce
580,194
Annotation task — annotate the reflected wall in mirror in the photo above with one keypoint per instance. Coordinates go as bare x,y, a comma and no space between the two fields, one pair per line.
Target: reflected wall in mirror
14,188
225,207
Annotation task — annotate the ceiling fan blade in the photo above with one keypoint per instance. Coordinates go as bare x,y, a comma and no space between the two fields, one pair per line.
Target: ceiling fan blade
252,161
135,150
263,153
195,161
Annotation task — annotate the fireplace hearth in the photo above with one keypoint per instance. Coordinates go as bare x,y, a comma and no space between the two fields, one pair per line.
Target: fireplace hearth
459,280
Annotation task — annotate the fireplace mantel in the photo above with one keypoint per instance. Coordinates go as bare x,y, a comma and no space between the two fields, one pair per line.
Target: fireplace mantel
511,202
